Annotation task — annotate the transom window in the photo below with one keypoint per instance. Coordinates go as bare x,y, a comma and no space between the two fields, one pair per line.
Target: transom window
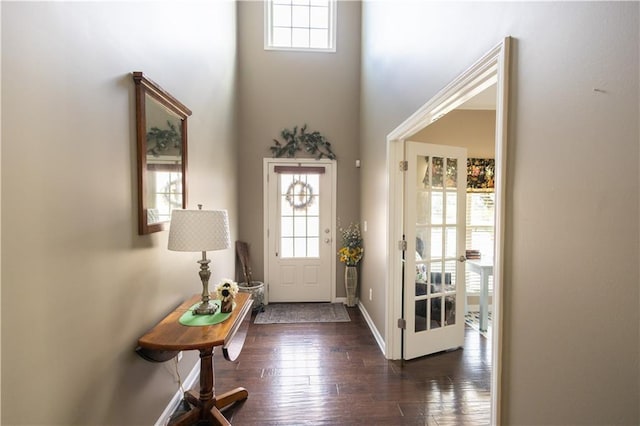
300,25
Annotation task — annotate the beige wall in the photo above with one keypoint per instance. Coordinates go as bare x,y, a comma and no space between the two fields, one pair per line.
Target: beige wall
283,89
69,236
79,286
570,352
471,129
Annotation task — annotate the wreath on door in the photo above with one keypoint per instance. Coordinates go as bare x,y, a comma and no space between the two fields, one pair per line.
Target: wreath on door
299,195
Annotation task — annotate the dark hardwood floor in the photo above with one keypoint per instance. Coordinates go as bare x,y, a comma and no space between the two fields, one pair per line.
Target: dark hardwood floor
335,374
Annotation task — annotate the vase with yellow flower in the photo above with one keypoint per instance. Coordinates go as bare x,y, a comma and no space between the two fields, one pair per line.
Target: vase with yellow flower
350,254
226,292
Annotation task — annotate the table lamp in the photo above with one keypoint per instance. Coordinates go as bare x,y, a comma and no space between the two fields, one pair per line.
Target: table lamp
200,230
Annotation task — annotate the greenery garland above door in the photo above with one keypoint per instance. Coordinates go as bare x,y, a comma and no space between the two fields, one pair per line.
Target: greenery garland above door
313,143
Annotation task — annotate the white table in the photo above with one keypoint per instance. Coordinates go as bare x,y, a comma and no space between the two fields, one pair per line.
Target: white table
484,268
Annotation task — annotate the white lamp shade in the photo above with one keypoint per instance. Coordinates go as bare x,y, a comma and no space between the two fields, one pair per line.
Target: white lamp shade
199,230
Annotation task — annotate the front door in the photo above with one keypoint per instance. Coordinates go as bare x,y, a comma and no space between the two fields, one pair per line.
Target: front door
434,228
299,242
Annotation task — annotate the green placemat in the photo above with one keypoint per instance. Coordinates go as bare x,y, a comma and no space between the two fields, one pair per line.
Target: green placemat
191,320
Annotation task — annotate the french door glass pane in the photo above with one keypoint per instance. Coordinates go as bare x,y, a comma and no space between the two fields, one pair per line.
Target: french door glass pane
450,275
452,204
436,172
437,208
435,277
436,220
420,323
436,243
421,248
452,172
450,310
450,242
422,208
436,312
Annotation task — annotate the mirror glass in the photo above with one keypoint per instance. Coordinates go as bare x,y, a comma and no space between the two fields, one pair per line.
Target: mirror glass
162,154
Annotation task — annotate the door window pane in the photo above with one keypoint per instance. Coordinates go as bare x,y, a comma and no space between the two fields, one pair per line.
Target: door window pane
436,312
421,248
313,247
286,247
286,226
450,310
452,204
452,172
421,315
437,208
299,215
450,242
436,243
436,172
422,208
450,267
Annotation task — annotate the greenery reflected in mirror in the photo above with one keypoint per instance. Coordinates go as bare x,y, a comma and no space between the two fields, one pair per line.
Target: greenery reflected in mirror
162,154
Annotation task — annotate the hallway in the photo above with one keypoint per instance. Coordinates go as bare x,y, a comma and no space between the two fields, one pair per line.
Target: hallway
335,374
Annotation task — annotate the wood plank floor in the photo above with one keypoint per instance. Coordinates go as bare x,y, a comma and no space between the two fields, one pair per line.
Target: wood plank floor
335,374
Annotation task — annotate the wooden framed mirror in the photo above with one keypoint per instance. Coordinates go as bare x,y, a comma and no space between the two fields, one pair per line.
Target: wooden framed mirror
161,125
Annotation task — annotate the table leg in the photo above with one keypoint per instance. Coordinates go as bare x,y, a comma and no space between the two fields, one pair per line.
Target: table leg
206,405
484,300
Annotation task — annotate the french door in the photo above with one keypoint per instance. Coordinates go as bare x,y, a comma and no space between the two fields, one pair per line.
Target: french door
300,246
434,229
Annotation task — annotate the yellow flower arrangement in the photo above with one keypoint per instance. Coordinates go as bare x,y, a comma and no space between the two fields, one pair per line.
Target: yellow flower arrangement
227,290
352,251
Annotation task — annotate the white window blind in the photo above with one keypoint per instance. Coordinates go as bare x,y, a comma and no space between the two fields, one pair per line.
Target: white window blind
480,232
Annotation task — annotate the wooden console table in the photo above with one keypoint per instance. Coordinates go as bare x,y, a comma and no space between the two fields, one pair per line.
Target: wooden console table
169,337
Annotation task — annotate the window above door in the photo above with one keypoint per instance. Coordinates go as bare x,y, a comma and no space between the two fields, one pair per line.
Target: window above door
300,25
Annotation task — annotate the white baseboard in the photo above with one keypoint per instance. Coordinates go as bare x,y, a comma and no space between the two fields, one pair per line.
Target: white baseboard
372,327
188,383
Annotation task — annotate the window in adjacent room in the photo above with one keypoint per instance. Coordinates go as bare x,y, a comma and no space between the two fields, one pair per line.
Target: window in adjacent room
480,232
308,25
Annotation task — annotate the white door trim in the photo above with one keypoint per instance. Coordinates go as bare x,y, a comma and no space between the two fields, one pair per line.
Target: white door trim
492,68
266,162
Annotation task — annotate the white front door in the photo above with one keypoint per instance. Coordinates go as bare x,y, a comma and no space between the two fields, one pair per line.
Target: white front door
300,248
434,228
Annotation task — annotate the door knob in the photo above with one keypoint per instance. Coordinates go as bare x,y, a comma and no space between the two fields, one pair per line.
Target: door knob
462,259
327,240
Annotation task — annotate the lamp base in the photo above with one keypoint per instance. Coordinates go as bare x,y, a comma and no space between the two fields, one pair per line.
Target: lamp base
205,308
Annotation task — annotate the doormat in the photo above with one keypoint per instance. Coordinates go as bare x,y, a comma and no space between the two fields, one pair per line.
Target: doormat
292,313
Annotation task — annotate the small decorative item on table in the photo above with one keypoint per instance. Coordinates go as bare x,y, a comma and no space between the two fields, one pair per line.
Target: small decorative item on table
226,291
350,254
